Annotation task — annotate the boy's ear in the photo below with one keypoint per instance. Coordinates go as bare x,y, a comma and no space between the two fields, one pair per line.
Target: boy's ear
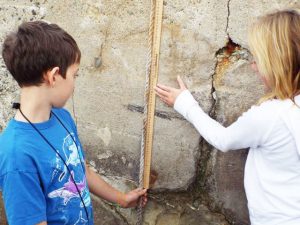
50,76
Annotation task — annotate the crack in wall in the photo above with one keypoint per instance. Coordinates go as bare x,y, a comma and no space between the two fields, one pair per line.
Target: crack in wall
205,148
121,216
228,15
204,183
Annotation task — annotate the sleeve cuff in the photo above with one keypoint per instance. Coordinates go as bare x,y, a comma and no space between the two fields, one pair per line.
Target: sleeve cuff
184,102
29,221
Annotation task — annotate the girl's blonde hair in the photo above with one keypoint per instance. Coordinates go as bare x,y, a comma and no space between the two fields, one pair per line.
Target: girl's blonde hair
274,41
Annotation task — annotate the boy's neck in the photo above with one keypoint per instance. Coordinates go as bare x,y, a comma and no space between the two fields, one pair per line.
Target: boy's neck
34,104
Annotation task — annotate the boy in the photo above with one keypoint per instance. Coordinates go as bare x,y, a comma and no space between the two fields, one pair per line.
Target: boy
43,176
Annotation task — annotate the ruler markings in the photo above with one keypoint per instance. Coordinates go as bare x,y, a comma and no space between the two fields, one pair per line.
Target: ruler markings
153,77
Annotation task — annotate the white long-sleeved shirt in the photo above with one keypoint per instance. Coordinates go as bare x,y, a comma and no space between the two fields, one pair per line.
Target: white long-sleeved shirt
272,174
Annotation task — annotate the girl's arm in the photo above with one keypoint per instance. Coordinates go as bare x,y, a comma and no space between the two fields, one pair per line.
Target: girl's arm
250,130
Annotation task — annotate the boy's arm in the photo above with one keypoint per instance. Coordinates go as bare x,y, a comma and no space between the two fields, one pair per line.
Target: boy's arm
42,223
103,190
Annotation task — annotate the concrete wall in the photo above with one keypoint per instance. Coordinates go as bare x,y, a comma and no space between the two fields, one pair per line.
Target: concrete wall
204,41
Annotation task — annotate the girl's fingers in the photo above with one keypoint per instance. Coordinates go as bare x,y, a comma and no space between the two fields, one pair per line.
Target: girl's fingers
162,97
164,100
180,82
161,91
164,87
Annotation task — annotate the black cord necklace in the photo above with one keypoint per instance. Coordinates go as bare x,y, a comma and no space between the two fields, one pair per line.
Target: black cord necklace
18,106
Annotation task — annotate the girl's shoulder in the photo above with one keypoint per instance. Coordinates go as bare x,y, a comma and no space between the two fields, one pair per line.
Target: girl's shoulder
271,108
274,104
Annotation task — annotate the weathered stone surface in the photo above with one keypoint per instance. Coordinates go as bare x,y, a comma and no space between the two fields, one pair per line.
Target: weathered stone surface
8,95
243,13
119,83
162,208
106,215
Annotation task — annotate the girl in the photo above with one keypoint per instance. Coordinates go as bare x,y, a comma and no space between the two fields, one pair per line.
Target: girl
271,130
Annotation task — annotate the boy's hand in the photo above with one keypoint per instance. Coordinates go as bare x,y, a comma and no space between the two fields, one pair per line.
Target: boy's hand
131,198
168,94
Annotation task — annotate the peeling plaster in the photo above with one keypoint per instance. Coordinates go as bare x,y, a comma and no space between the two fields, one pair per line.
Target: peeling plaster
105,135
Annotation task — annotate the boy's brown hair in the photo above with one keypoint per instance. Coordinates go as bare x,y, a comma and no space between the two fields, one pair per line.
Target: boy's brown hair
35,48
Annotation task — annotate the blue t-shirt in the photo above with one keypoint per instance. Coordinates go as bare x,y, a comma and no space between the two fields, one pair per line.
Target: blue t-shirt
35,183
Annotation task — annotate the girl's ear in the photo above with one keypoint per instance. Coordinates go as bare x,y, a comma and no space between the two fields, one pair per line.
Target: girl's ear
50,76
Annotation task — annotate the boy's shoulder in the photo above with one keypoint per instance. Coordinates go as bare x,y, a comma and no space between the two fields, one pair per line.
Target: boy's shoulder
65,115
7,135
12,154
18,142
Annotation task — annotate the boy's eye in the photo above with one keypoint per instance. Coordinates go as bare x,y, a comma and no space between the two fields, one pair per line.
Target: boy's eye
76,75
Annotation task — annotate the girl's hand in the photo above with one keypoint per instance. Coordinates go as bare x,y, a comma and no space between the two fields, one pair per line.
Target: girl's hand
168,94
131,198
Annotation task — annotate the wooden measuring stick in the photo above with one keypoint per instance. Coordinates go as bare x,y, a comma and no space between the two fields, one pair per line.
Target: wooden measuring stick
156,39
